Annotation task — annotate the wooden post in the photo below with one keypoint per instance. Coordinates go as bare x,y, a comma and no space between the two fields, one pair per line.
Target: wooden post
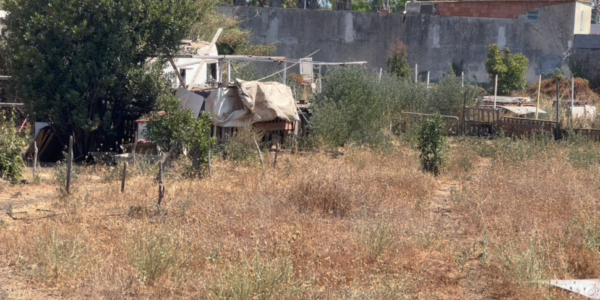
208,150
69,164
181,81
161,188
285,72
495,91
35,157
276,154
537,105
134,146
228,72
124,177
259,153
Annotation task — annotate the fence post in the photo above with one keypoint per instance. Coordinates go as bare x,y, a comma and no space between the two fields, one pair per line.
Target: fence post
259,153
276,154
495,91
35,159
69,164
161,188
208,150
537,105
124,177
134,146
416,73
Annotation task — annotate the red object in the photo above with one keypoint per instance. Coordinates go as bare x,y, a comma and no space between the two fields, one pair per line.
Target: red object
384,11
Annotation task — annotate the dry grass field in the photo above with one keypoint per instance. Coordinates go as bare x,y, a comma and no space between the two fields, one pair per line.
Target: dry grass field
503,216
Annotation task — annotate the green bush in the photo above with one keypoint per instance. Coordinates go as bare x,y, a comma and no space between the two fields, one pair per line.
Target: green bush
240,147
356,106
509,67
351,108
397,62
11,150
431,142
178,129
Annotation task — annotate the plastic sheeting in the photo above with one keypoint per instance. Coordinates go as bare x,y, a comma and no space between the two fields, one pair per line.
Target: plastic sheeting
586,287
251,101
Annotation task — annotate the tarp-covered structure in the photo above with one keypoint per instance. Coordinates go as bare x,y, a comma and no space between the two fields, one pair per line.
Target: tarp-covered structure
243,104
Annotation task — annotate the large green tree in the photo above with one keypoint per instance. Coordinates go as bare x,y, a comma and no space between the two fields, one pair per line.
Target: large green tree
84,65
509,67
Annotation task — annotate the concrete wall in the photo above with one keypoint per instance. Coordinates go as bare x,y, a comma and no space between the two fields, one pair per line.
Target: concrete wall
585,57
434,42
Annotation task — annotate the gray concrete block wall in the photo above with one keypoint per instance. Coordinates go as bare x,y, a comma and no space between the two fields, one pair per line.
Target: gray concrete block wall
587,41
434,42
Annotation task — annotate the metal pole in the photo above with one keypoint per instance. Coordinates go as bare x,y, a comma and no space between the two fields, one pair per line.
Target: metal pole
320,82
428,79
537,105
462,79
495,91
284,72
228,72
380,73
416,73
304,4
463,114
558,135
572,98
69,164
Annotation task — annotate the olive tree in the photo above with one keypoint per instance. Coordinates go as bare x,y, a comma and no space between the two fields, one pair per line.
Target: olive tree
83,65
509,67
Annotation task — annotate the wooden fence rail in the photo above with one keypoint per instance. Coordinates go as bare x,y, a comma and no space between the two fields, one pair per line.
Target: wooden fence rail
410,119
520,127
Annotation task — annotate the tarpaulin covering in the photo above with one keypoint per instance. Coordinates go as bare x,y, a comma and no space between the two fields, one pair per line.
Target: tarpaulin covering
249,102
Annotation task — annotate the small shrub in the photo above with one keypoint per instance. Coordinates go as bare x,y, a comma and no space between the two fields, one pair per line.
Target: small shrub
432,144
240,148
155,253
524,266
376,237
11,150
397,61
59,256
257,279
327,196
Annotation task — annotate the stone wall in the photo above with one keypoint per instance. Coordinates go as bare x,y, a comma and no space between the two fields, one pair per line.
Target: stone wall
434,42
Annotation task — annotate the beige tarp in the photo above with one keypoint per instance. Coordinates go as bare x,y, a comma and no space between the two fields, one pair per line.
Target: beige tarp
251,102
